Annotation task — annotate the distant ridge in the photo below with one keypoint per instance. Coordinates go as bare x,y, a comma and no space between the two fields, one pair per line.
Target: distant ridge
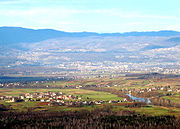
175,40
14,35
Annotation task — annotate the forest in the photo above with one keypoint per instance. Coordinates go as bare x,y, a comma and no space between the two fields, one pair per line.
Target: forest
111,107
97,119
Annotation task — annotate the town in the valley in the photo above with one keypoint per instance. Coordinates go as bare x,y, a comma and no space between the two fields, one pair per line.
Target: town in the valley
56,98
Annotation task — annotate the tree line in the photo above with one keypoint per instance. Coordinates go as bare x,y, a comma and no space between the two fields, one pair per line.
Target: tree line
110,90
96,119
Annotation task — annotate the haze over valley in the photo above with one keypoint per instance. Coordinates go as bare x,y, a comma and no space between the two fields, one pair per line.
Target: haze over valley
157,51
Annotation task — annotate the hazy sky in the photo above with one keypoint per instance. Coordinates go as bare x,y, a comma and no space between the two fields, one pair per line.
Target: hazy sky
92,15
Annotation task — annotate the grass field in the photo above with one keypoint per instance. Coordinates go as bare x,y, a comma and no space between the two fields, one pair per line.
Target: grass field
83,82
155,110
92,95
36,106
175,98
116,83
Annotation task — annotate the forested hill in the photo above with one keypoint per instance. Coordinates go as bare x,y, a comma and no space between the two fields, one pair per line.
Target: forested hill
13,35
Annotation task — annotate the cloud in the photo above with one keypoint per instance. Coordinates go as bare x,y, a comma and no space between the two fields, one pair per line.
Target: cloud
59,11
173,27
57,18
77,19
9,2
42,16
127,14
63,12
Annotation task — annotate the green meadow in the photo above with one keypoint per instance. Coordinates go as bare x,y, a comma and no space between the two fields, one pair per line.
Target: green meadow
84,94
90,95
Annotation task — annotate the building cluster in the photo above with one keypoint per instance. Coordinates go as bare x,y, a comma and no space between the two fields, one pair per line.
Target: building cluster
157,88
56,98
42,96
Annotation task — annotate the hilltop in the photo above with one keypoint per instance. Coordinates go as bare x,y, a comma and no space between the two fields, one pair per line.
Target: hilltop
12,35
58,51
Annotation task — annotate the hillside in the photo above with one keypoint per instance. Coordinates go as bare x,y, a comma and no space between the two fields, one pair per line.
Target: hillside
21,47
12,35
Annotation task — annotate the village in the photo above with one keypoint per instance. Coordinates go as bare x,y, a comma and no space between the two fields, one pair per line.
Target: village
167,89
150,88
56,99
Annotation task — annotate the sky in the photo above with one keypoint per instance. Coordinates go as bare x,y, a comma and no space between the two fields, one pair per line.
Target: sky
102,16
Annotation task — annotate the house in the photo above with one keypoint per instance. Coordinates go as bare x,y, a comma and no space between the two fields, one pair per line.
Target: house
124,99
2,97
22,97
149,90
42,100
97,102
53,104
13,99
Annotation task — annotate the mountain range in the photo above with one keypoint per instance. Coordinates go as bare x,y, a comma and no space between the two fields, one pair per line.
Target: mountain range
13,35
48,47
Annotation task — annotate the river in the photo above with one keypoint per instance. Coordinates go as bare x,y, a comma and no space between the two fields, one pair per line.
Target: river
148,101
